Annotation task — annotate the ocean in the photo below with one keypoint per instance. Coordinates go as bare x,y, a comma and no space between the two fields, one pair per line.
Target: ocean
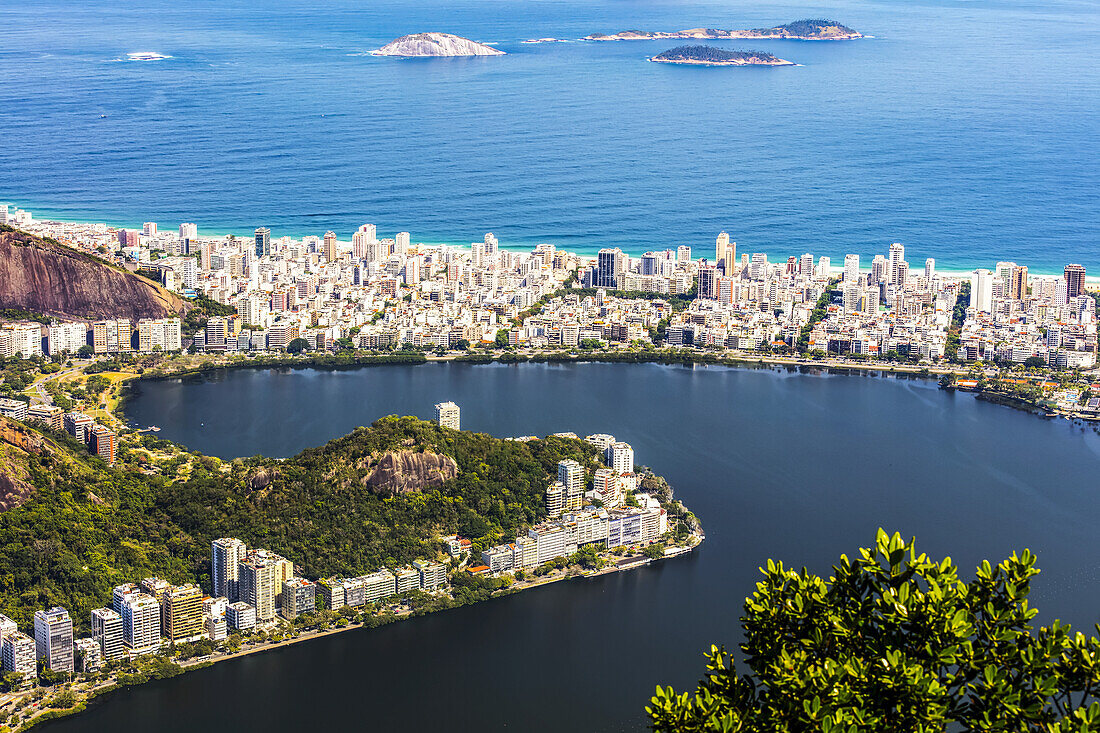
966,130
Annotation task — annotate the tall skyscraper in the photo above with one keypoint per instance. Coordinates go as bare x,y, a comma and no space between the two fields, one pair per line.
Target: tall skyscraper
1075,280
362,240
571,476
261,581
609,267
725,253
683,254
53,638
447,415
897,257
189,231
981,290
226,554
263,242
708,282
330,246
929,269
880,270
1017,283
401,243
806,265
851,268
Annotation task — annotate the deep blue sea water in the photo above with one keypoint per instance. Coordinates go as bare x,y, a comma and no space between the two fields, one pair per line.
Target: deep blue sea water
967,130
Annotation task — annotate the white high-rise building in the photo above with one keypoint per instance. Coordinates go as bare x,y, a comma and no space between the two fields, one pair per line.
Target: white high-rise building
806,265
620,457
401,244
53,639
107,632
851,268
189,231
981,291
880,270
683,254
571,477
447,415
226,554
260,584
7,626
66,337
149,229
19,655
140,624
929,269
824,266
362,240
897,257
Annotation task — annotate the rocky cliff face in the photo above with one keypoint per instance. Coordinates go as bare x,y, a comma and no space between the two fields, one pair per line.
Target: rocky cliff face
404,471
436,44
46,277
17,444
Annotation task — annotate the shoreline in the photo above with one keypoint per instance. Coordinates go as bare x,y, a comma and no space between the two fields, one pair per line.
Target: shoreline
220,231
634,562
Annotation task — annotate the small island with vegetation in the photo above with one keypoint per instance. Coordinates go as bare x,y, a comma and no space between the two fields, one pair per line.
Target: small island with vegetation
435,44
816,29
711,56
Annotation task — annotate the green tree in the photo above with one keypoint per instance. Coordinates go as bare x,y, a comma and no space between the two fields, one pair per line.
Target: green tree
502,338
297,346
85,352
894,641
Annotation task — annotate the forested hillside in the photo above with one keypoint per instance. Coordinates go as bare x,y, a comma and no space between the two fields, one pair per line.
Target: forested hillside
86,527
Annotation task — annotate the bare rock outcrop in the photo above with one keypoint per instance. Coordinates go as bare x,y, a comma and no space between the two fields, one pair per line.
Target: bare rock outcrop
46,277
436,44
403,471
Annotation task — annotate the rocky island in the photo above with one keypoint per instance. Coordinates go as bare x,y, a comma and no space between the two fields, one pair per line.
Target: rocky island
436,44
710,56
801,30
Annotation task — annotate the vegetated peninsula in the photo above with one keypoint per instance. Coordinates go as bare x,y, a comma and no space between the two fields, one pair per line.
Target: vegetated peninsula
711,56
436,44
801,30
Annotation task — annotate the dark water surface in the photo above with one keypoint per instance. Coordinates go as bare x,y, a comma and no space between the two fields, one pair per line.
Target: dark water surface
789,466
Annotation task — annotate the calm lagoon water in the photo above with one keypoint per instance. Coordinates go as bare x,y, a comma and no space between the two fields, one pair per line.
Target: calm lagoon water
776,464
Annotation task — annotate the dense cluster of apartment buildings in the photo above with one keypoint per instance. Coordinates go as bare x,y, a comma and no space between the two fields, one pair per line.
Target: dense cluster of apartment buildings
118,336
386,292
581,516
252,588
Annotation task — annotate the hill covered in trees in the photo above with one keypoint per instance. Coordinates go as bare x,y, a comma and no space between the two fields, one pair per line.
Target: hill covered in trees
711,56
83,527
